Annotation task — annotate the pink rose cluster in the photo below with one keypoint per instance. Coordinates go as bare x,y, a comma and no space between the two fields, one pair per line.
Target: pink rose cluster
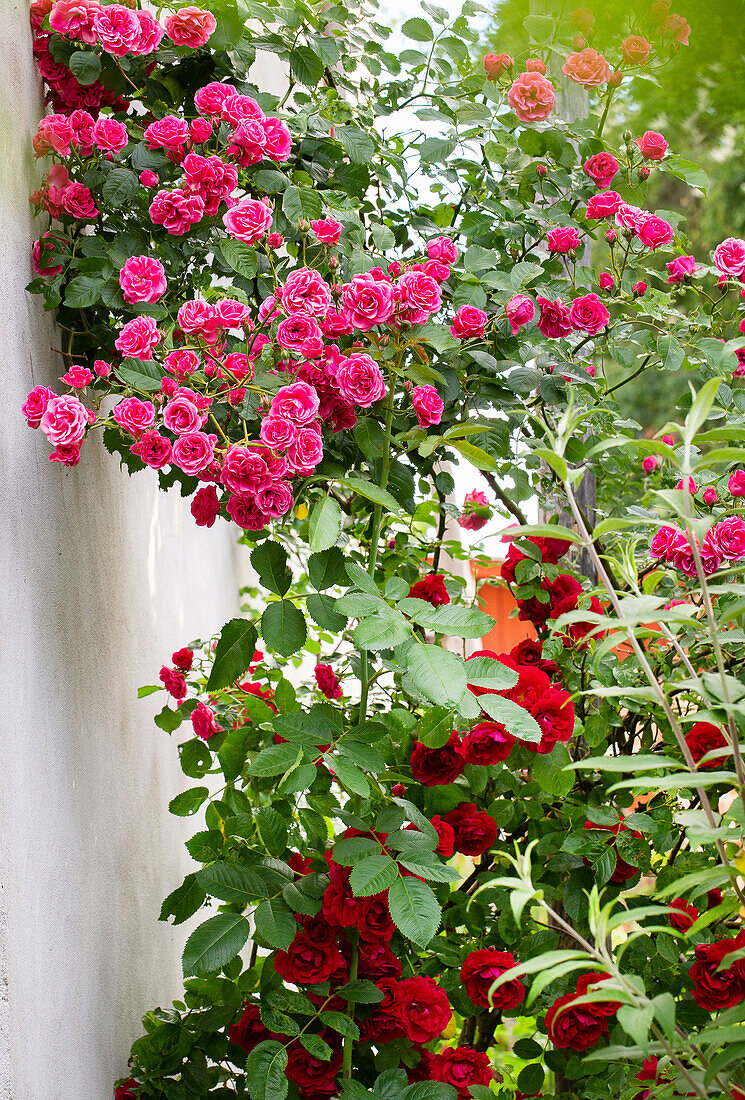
722,543
253,136
63,420
121,30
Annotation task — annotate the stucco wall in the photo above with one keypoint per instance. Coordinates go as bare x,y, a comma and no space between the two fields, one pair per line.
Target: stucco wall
101,577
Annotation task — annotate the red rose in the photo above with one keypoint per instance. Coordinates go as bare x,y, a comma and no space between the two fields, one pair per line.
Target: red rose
308,963
422,1009
462,1067
554,713
496,63
603,205
432,589
127,1090
577,1028
436,767
327,682
313,1077
425,1068
378,961
715,989
704,737
375,924
249,1031
383,1025
446,834
685,916
592,983
527,652
481,969
553,322
340,907
532,684
174,682
623,869
474,830
487,743
183,659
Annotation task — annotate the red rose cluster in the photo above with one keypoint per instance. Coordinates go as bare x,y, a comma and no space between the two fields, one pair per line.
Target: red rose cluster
717,986
580,1026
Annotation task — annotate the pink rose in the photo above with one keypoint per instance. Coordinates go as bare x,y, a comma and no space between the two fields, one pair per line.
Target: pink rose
148,178
476,511
554,322
639,289
154,449
231,313
677,28
75,19
496,63
368,301
306,452
327,230
237,107
327,681
43,252
200,130
205,506
248,220
300,333
665,542
588,68
244,510
435,269
150,36
169,133
209,100
443,249
531,97
680,268
736,483
117,29
64,421
564,239
650,463
711,496
67,454
102,368
298,403
305,291
134,416
729,257
428,405
109,135
142,279
652,145
603,205
605,280
602,168
77,201
247,143
520,311
420,296
197,316
137,338
244,470
635,49
360,380
588,314
729,536
277,139
77,377
204,722
53,135
277,432
190,26
176,210
181,415
654,231
194,451
35,405
630,217
469,322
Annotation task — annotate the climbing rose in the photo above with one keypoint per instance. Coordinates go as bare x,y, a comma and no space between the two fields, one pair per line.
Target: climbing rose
684,917
190,26
432,589
487,743
476,511
193,451
603,205
564,239
652,145
204,722
577,1028
109,135
176,210
174,682
729,257
531,97
602,168
64,421
360,380
588,68
298,403
475,830
35,405
702,738
327,230
680,268
368,301
205,506
128,1090
496,63
461,1068
520,311
74,19
422,1009
138,338
142,279
635,49
588,314
248,220
654,231
468,322
428,405
154,449
479,972
715,986
736,483
117,29
327,681
443,249
553,322
438,767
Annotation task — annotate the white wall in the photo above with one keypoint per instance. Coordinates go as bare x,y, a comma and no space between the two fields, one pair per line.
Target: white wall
101,577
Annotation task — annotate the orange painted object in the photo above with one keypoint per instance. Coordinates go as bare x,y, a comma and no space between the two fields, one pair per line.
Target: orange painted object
497,600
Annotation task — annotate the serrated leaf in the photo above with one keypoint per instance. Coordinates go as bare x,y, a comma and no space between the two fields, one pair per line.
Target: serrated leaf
275,923
324,524
358,145
439,674
232,882
213,944
283,628
326,568
239,256
371,492
322,609
85,67
265,1071
233,653
414,910
269,559
372,875
120,187
188,802
515,719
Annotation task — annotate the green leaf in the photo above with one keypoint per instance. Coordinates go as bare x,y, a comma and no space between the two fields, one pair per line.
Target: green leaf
461,622
361,578
327,568
184,901
414,909
486,672
274,760
272,829
233,653
140,374
213,944
358,145
687,171
670,352
371,492
283,628
515,719
539,27
275,923
301,202
316,1046
478,458
372,875
188,802
440,675
383,630
419,30
349,775
324,524
120,187
360,991
269,559
636,1022
265,1071
434,150
232,882
321,608
305,66
85,67
548,771
84,291
240,257
337,1021
435,728
232,752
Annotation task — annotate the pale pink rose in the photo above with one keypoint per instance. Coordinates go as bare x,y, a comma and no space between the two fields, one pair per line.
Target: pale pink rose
35,405
368,301
248,220
729,537
277,140
75,19
138,337
476,511
298,403
64,420
190,26
242,508
602,169
169,133
151,33
134,416
520,311
277,432
554,321
652,145
588,68
327,230
428,405
443,249
420,296
77,377
680,268
635,49
563,239
181,415
142,279
736,483
209,99
496,63
588,314
301,333
277,499
53,135
67,454
77,201
154,449
729,257
654,232
205,506
204,722
665,541
469,322
176,210
182,363
531,97
360,380
603,205
237,107
117,29
305,453
677,28
109,136
305,291
194,451
244,470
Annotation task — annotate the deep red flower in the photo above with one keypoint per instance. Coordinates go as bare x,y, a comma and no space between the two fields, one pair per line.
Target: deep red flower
340,907
432,589
376,925
577,1028
481,969
554,713
422,1009
475,830
487,743
308,963
249,1031
462,1067
183,659
128,1090
685,916
435,767
313,1077
715,989
592,983
703,737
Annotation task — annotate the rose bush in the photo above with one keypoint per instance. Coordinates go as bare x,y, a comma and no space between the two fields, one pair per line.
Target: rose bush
461,871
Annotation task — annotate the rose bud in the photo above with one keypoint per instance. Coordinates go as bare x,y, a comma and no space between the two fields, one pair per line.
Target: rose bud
541,170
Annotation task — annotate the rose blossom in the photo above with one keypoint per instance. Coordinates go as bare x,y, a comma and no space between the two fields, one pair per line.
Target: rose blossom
77,201
677,28
443,249
204,722
244,511
553,322
479,972
588,314
420,296
109,135
654,231
151,33
154,449
248,220
535,65
736,483
603,205
244,470
729,536
305,291
469,322
563,239
35,405
117,29
652,145
182,415
717,986
703,738
680,268
237,107
142,279
575,1028
327,681
231,313
176,210
169,133
137,338
209,99
729,257
134,416
531,97
360,380
368,301
64,421
190,26
77,377
306,451
205,506
438,767
476,511
602,168
428,405
300,333
54,133
462,1067
520,311
475,830
194,451
327,230
41,255
75,19
635,49
298,403
487,743
684,916
148,178
422,1008
496,63
588,68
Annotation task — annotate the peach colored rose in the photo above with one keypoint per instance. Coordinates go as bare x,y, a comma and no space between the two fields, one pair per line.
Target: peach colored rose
635,49
496,63
588,68
190,26
531,97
